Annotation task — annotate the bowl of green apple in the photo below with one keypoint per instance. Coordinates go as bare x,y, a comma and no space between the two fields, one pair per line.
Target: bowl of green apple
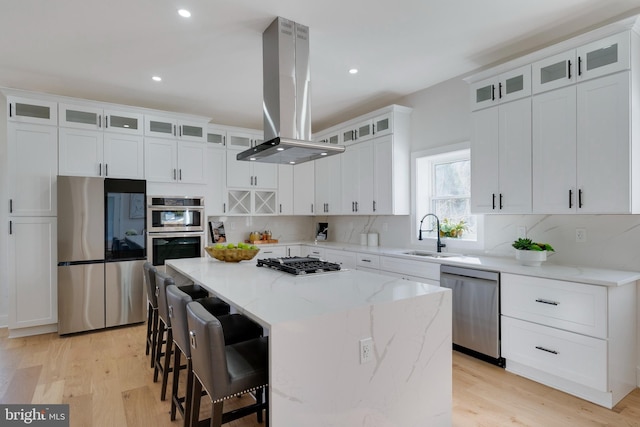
231,252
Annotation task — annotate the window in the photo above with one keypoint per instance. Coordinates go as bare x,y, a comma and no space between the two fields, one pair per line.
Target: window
443,187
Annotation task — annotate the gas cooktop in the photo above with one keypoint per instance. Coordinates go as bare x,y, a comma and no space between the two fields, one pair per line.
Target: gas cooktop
299,265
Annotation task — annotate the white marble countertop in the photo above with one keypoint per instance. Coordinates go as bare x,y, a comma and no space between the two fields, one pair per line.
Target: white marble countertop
549,270
272,297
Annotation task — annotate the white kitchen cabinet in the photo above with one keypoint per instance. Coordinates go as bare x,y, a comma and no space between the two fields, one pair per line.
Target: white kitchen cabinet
357,179
247,174
505,87
329,138
95,153
366,261
100,141
95,117
313,251
347,260
251,202
357,132
501,158
571,336
285,189
328,185
216,137
391,180
32,154
427,272
296,195
304,189
35,111
215,169
32,287
273,251
596,59
169,160
574,171
175,128
243,139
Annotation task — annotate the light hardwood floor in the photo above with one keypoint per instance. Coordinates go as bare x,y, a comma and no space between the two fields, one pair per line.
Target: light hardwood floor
106,379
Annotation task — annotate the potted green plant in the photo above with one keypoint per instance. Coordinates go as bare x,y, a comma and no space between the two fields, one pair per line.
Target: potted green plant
531,253
449,228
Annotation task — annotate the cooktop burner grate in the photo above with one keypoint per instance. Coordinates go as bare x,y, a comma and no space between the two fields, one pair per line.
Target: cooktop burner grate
299,265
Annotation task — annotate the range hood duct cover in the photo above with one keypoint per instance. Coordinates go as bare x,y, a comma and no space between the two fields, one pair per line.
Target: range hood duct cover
286,105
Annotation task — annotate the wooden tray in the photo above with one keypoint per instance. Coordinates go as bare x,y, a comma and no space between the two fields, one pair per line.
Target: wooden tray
261,242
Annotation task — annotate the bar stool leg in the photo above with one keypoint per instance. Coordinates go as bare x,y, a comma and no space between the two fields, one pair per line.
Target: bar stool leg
196,394
216,414
158,355
149,328
154,337
167,363
176,377
189,393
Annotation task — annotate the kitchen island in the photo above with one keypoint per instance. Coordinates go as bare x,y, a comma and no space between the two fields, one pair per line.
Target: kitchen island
315,324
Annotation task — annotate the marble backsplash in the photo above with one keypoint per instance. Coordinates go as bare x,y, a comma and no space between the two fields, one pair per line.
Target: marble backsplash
613,241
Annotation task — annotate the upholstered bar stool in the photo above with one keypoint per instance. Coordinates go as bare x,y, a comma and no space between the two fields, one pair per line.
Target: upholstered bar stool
152,310
225,371
163,358
236,327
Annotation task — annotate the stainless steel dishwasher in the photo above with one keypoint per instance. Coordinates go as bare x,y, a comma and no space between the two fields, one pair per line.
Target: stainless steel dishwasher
476,311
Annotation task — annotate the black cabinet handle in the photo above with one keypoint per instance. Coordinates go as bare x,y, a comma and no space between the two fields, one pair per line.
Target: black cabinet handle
174,174
580,198
106,169
180,174
10,205
11,110
224,208
373,128
579,66
99,120
493,200
500,90
569,69
374,205
311,207
501,201
180,128
493,92
546,301
546,349
106,121
280,207
570,199
10,227
356,206
174,130
99,169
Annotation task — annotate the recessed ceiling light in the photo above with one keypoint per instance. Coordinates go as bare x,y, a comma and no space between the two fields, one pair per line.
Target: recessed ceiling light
323,154
184,13
292,163
156,78
279,149
252,158
353,71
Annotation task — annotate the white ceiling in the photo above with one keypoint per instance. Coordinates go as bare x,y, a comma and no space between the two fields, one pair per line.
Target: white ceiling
211,63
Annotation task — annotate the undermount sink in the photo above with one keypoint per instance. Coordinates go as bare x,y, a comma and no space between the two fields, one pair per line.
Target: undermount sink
429,254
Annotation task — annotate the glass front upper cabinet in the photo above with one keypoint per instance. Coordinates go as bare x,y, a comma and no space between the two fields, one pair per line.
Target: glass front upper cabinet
97,118
32,111
592,60
508,86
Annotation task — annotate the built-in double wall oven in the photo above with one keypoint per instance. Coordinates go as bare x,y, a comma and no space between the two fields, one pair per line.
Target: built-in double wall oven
175,228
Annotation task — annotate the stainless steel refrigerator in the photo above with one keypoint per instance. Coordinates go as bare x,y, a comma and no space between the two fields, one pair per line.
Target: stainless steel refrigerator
101,251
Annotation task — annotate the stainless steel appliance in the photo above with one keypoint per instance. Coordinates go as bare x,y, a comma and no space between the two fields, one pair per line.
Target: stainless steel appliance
286,89
476,311
175,227
299,265
101,250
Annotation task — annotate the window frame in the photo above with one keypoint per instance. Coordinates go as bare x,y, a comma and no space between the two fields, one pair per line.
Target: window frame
429,242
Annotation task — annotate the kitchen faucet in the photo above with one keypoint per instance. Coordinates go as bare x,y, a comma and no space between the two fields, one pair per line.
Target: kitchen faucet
439,244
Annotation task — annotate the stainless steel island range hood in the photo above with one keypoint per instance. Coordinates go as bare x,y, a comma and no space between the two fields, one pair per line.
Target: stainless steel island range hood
286,88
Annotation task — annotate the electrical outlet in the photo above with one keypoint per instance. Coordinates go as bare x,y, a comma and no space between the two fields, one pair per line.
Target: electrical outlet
522,232
366,350
581,235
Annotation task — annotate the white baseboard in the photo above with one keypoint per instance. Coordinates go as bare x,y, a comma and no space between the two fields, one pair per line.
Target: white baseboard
34,330
4,320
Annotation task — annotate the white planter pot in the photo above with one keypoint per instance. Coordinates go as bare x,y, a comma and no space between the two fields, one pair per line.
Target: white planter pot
531,258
